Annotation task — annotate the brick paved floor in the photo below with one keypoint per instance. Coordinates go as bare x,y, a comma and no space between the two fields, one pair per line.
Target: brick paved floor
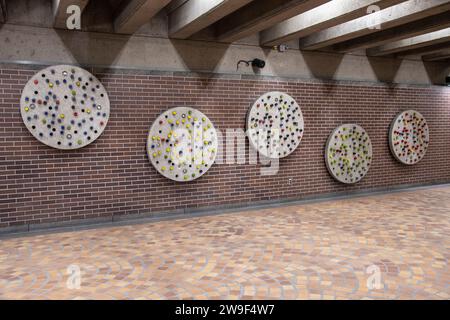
313,251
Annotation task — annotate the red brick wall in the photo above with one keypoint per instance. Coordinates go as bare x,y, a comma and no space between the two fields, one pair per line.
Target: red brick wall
113,176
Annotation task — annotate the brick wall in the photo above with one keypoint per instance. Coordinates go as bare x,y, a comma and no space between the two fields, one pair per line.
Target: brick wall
113,177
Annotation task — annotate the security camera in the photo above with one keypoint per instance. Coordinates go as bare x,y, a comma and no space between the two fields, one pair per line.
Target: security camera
258,63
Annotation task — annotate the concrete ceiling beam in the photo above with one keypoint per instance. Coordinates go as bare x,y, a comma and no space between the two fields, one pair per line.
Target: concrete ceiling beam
441,55
435,48
390,17
260,15
426,40
191,16
3,11
135,13
412,29
325,16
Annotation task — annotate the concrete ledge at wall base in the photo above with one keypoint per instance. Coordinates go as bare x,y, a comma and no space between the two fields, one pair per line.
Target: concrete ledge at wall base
68,224
188,213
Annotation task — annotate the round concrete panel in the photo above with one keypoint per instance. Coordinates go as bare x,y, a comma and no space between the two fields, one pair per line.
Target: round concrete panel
348,153
182,144
409,137
65,107
275,125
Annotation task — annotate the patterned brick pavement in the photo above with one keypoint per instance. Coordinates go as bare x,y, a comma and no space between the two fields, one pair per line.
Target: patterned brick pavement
313,251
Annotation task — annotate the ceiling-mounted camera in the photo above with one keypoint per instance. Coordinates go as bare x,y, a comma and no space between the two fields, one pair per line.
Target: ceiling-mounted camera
255,63
258,63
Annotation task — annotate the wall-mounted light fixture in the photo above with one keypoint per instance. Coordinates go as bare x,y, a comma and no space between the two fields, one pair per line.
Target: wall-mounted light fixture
281,48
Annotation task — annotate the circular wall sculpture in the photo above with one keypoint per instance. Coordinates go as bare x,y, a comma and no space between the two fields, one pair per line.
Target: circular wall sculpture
409,137
182,144
65,107
348,153
275,125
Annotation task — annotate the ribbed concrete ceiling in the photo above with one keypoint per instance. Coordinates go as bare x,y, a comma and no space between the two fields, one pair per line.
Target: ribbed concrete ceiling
382,27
